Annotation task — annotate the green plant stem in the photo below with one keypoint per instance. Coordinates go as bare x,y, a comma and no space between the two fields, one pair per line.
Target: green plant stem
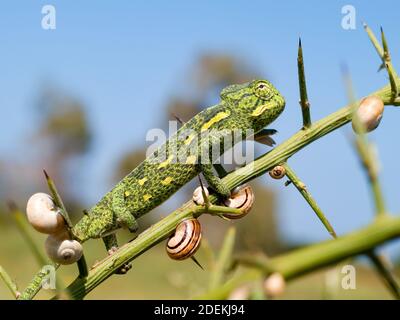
158,232
224,259
57,199
365,152
9,282
301,187
304,103
386,274
35,285
385,57
369,161
24,229
313,257
81,263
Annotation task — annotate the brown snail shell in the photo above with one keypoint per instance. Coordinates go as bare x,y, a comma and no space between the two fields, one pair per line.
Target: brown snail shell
369,112
186,240
61,249
278,172
243,200
43,214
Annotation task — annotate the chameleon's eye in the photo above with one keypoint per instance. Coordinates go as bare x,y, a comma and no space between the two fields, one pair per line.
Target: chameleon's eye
261,86
262,90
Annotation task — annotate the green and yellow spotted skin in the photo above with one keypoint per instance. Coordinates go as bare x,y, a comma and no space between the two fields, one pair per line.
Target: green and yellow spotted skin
250,106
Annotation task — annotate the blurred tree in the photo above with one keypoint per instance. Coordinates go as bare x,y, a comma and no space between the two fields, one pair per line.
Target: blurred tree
127,162
59,135
64,134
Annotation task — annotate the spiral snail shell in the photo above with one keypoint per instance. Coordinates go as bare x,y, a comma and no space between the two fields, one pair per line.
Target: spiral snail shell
243,200
43,214
186,240
278,172
61,249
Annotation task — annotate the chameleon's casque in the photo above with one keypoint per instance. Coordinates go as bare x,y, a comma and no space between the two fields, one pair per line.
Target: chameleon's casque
249,106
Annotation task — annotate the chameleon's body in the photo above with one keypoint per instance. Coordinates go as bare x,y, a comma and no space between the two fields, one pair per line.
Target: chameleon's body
249,106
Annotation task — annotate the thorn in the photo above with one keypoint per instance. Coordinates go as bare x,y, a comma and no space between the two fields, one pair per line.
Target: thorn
299,42
197,262
365,26
381,67
177,118
206,201
45,174
384,44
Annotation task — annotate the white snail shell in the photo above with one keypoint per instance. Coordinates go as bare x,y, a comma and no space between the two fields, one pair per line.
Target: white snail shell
278,172
240,293
43,214
274,285
369,113
242,200
198,195
186,240
61,249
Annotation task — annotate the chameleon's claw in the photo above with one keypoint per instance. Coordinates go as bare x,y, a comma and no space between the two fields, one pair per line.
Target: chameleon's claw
134,228
124,269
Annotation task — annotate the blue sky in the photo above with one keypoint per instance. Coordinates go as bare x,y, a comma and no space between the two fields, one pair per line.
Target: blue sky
125,59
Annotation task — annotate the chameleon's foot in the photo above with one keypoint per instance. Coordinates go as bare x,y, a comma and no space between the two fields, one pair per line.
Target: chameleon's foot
125,268
223,192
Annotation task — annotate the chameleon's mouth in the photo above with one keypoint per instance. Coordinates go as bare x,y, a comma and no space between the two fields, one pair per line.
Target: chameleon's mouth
261,109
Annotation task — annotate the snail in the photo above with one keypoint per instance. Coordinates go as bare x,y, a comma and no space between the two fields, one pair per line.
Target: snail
240,293
186,240
198,195
61,249
43,214
243,199
369,112
278,172
274,285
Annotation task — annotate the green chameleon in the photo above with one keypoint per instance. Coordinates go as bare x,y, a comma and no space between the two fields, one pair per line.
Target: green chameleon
249,106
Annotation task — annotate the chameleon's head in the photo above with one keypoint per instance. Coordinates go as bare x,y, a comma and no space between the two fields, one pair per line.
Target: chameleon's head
257,101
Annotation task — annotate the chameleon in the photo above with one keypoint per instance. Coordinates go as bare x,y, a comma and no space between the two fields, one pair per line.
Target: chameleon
249,106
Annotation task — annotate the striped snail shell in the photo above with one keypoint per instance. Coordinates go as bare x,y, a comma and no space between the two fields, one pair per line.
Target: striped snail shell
186,240
243,200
